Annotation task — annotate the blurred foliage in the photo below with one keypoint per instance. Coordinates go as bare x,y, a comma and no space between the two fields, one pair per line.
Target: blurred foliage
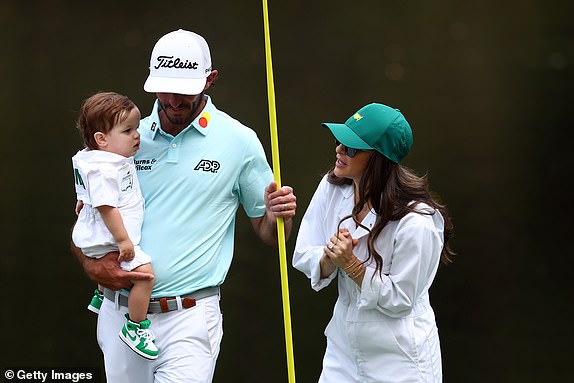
486,85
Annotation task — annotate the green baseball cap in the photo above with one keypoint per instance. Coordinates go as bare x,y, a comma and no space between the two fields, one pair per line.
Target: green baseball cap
375,127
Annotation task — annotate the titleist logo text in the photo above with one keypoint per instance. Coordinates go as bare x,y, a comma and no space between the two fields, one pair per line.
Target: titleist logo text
169,62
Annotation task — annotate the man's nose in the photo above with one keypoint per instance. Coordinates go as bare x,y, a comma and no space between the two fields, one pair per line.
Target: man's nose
174,99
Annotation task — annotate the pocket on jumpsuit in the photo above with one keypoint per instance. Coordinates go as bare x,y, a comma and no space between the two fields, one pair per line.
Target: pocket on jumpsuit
395,336
388,342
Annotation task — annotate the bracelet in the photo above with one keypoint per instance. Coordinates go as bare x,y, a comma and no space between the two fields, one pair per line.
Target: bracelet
351,265
356,271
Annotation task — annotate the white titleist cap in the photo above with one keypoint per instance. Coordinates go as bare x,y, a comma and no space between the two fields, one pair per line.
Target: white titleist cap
180,63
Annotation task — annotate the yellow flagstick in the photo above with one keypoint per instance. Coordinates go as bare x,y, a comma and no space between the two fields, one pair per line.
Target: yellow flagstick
280,223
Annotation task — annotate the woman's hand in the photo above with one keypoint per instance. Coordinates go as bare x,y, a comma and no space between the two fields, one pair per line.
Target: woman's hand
339,249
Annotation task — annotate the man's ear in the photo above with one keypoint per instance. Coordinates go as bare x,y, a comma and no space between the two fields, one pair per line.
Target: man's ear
210,79
100,139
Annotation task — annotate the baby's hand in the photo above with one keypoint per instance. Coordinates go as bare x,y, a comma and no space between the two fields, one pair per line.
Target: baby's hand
127,252
79,206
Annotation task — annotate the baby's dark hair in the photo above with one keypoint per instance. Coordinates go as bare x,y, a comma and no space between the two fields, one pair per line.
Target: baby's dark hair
100,113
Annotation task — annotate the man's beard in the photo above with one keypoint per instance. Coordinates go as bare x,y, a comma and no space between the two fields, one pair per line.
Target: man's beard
179,121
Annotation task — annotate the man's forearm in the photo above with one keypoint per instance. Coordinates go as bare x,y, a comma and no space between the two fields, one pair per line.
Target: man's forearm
106,271
267,230
83,260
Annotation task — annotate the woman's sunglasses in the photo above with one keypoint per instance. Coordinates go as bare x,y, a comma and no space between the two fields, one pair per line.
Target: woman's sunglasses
350,152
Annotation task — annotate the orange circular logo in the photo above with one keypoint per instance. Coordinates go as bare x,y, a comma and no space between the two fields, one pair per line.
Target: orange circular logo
204,119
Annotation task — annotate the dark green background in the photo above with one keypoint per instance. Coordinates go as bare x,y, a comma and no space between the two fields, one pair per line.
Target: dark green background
486,85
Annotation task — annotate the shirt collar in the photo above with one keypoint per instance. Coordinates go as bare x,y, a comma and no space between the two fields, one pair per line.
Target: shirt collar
347,191
204,120
368,221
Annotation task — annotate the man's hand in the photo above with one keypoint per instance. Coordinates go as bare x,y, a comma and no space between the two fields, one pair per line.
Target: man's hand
106,271
280,202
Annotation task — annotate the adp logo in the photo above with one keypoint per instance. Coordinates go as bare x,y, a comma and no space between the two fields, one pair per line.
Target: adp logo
208,166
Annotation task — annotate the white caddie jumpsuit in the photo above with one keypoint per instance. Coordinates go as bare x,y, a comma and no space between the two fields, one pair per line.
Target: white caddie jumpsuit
385,330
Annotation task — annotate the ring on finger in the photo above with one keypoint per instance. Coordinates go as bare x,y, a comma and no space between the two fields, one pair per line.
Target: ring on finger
330,246
285,207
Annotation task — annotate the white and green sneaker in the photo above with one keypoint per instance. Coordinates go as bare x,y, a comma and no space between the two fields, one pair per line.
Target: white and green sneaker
139,338
96,301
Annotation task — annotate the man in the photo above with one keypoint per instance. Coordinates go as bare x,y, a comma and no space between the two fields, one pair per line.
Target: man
195,166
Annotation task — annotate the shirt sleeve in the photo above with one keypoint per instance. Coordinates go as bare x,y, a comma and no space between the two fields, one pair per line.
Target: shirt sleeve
254,178
311,240
104,187
80,182
413,265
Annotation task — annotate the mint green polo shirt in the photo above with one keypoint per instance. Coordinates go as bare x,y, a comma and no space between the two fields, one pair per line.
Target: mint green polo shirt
192,185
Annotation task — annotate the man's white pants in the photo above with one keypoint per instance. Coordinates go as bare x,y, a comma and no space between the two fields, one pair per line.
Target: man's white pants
188,342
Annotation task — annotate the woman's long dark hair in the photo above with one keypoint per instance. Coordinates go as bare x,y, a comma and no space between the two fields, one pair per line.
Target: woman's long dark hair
393,191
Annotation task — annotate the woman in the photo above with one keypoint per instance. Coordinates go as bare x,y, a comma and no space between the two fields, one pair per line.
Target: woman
374,224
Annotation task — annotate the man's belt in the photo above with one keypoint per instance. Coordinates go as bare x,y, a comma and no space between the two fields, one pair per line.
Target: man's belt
166,304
